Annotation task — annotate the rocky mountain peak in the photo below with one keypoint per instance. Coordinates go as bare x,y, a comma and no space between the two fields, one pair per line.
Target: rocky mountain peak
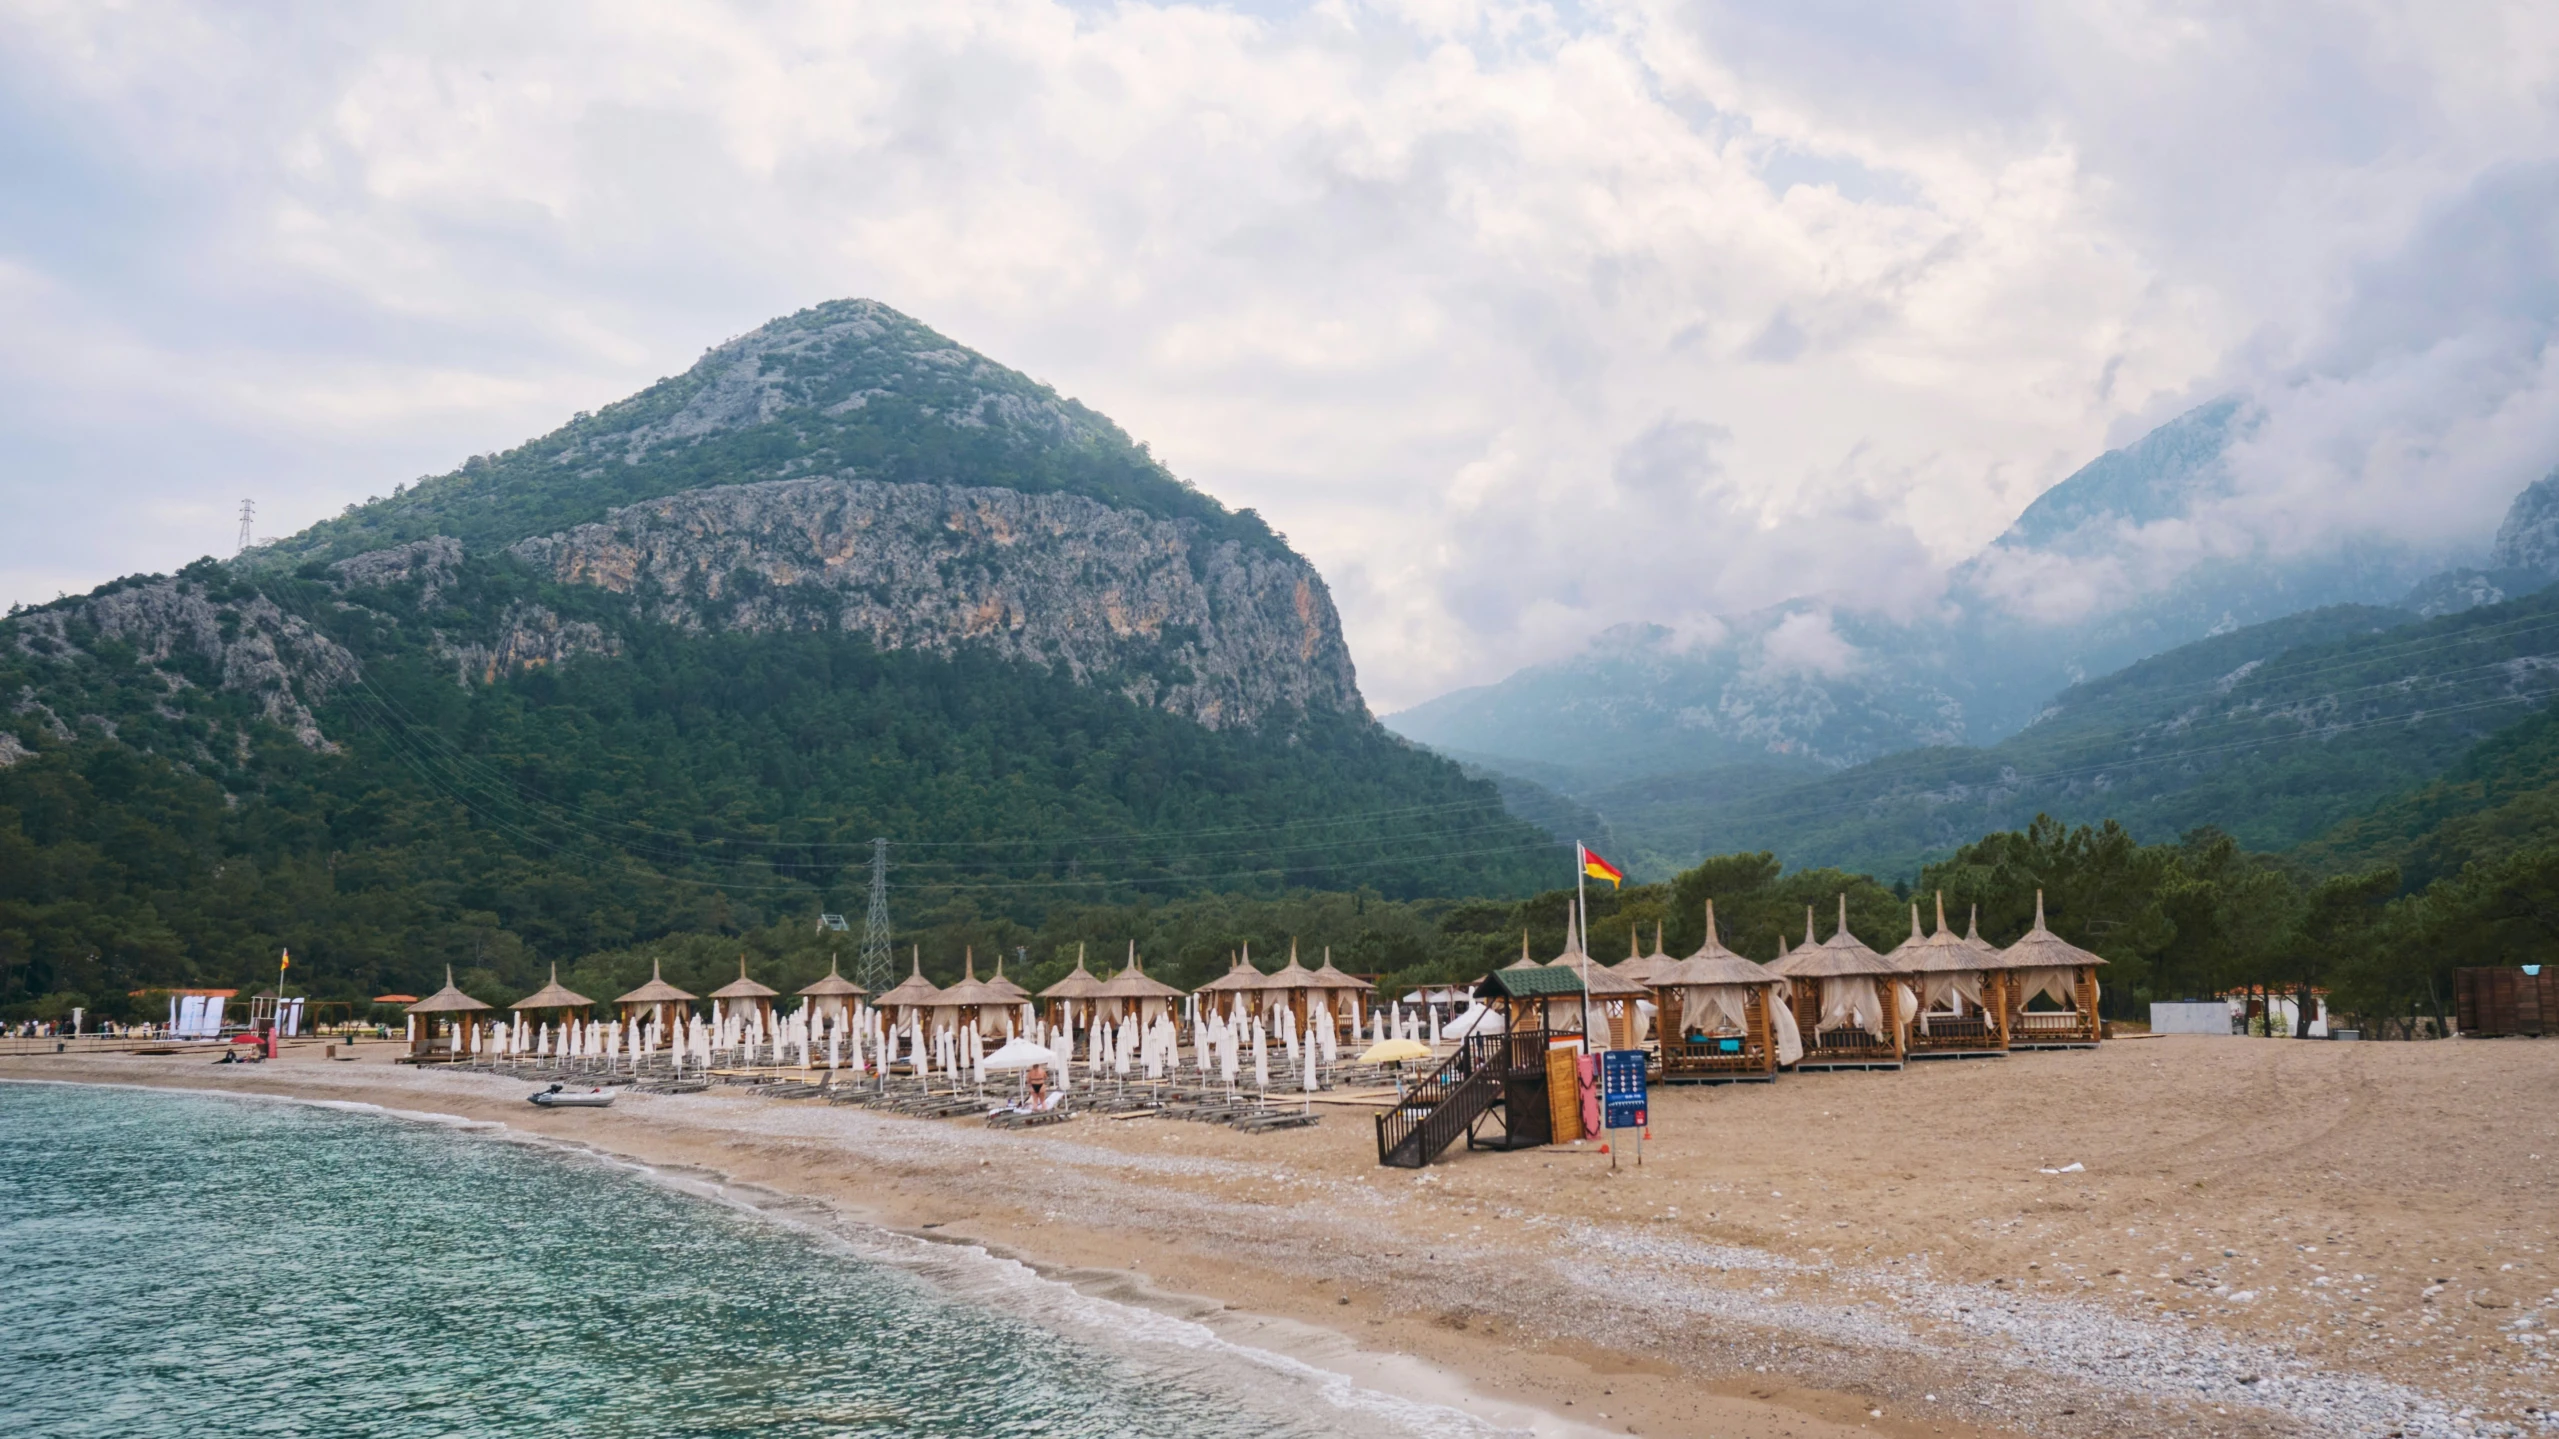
2529,537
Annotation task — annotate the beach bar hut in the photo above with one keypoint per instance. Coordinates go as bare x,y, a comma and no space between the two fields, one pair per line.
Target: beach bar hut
913,1005
1961,992
1722,1018
2042,967
744,997
1848,1000
658,1000
447,1026
1069,1002
830,1002
1132,995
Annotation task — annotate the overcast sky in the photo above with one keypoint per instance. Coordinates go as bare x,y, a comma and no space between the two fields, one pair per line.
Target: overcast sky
1520,320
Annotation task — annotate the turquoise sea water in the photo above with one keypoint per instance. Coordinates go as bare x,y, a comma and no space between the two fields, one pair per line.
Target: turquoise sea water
177,1264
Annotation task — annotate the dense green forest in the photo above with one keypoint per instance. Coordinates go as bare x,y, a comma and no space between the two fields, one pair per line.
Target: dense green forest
693,785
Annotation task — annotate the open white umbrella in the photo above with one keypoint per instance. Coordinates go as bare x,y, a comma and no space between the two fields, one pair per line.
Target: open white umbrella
1017,1054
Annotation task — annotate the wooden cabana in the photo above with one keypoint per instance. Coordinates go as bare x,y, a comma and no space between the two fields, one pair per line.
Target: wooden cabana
1291,990
1847,1000
1960,990
1071,998
744,997
1236,993
1338,991
1638,966
831,1001
2042,966
971,1001
1617,1019
446,1025
1721,1017
658,1000
1132,995
912,1003
555,1003
1013,995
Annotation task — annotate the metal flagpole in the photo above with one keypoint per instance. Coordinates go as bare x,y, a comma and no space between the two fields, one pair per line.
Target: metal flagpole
1581,921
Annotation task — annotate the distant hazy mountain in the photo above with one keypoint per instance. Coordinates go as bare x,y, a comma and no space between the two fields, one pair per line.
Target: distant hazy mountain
2276,733
1808,682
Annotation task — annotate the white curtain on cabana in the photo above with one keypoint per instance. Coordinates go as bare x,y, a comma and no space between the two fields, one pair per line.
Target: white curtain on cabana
1950,988
1851,1002
1790,1039
2061,984
1714,1008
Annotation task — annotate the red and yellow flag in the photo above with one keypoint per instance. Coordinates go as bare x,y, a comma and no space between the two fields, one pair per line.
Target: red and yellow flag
1598,868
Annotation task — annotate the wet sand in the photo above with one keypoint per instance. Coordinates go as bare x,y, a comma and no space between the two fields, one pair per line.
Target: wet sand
2265,1237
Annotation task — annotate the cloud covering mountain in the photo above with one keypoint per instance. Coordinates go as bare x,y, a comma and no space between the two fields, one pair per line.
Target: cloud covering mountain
1521,321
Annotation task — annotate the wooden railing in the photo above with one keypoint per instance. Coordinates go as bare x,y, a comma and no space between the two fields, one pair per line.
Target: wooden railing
1445,1106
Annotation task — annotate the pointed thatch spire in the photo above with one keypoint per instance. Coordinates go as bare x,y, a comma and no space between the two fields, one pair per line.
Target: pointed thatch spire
2040,948
551,996
448,1000
742,987
1939,953
835,985
1078,984
658,991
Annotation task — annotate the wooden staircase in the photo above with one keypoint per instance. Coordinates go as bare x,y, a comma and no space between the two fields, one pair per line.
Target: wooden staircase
1490,1077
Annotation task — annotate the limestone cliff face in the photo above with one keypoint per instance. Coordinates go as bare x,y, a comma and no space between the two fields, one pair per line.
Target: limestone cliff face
244,645
1156,608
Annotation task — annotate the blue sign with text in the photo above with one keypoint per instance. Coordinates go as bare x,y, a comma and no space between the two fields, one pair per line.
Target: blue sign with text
1622,1093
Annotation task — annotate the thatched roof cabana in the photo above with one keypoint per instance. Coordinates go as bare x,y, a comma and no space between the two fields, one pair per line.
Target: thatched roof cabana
973,1000
743,995
1327,977
912,998
1078,988
2043,965
1013,993
552,996
1848,1001
1639,967
448,1015
1722,1017
1236,991
1133,994
1959,989
656,997
831,1000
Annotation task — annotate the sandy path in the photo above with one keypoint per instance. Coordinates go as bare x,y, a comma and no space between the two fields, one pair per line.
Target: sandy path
2268,1237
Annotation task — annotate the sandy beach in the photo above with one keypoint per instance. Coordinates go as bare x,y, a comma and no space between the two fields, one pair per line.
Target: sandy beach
2261,1237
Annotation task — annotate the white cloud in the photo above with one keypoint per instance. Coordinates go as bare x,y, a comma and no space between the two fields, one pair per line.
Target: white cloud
1521,321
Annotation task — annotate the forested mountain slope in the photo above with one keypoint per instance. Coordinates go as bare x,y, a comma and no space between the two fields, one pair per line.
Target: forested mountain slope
1043,668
